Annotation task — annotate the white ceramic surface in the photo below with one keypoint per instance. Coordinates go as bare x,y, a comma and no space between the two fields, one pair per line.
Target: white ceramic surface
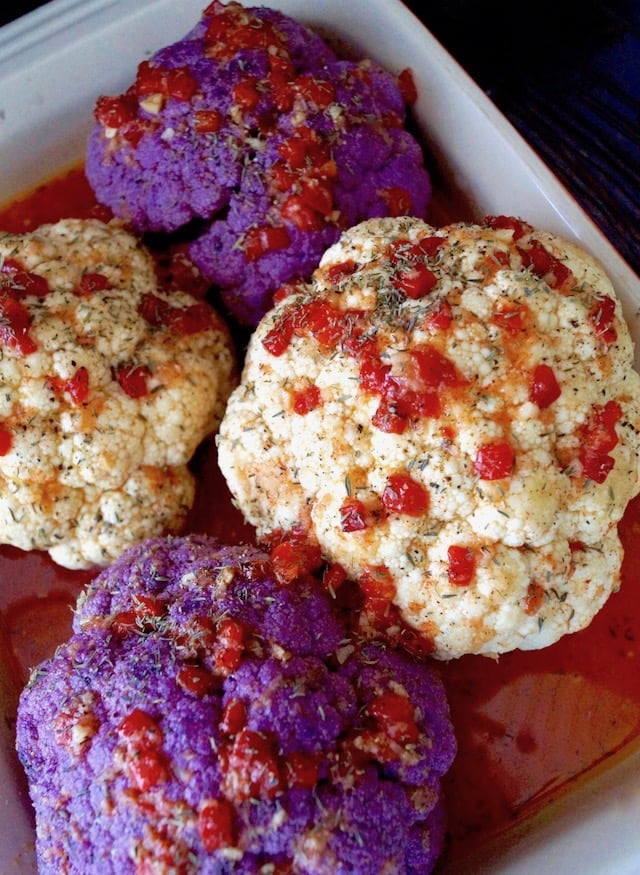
55,61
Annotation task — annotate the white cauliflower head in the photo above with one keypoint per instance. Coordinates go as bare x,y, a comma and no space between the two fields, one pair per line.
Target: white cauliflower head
107,386
452,414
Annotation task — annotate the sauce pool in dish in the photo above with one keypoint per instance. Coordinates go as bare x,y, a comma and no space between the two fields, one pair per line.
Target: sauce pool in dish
528,724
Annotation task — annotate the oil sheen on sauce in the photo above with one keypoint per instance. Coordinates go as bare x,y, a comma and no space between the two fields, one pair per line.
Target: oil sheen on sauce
528,724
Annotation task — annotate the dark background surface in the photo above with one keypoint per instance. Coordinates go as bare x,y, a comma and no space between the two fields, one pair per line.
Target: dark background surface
566,73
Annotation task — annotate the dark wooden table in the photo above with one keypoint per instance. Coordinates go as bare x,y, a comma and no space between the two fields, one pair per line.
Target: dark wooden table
566,73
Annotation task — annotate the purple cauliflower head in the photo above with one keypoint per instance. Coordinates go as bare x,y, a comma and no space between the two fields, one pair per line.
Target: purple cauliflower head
209,719
250,136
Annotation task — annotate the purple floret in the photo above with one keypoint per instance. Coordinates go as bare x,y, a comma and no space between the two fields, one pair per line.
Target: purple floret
213,157
207,718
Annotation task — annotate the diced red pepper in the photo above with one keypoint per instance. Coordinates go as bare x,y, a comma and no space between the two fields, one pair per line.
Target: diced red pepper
598,438
335,273
333,577
353,515
252,769
416,281
307,399
303,769
294,558
601,316
216,824
15,321
518,227
146,768
149,79
494,461
461,565
196,680
179,83
228,648
296,210
234,717
246,93
207,121
403,494
114,112
93,282
140,729
511,318
434,369
544,264
440,318
133,380
259,240
544,388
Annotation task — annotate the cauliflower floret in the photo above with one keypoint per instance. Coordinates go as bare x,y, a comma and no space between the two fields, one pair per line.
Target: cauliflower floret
252,127
453,415
108,385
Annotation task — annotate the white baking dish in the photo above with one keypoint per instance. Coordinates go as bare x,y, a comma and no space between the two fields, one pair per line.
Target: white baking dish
53,64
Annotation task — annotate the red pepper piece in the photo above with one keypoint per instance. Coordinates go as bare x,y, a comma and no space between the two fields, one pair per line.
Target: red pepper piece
246,93
601,316
303,769
252,769
518,227
292,559
415,282
216,824
259,240
93,282
234,717
114,112
196,680
228,647
544,388
147,768
544,264
207,121
306,400
403,494
462,565
140,728
15,321
494,461
434,369
353,515
133,379
296,210
598,438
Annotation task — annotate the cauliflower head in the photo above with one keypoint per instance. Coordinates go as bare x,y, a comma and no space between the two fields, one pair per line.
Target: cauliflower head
108,385
453,415
252,132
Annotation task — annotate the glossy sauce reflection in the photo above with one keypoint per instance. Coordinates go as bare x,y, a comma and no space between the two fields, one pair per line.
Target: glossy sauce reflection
528,724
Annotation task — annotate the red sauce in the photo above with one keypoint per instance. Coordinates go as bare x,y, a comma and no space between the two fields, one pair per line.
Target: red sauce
528,724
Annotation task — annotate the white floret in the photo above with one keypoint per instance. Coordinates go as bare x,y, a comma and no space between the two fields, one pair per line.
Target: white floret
543,537
85,478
